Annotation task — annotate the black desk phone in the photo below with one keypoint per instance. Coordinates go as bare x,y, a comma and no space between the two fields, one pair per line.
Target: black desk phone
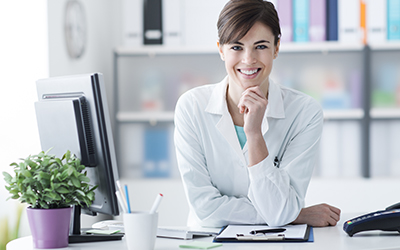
385,220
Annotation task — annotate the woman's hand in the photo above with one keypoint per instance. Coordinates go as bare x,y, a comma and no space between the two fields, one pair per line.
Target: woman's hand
253,104
321,215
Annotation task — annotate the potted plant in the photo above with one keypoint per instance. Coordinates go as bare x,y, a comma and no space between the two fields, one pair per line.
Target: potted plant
50,186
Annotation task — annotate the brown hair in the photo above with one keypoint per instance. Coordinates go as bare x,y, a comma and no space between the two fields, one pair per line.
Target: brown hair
238,16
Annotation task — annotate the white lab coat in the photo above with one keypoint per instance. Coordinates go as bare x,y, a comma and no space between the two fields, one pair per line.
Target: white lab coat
220,187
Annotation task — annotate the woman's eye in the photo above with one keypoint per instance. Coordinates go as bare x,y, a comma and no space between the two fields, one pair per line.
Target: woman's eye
236,48
261,47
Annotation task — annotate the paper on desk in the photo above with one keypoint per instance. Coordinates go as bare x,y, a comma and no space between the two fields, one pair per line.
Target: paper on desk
200,245
100,231
291,232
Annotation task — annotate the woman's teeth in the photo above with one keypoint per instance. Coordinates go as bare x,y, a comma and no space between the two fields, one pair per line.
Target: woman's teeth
248,72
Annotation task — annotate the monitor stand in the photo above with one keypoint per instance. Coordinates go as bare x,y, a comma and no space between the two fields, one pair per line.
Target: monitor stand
78,235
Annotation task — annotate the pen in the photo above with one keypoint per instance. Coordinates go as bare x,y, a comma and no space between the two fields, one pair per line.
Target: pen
128,205
270,230
121,192
121,201
156,203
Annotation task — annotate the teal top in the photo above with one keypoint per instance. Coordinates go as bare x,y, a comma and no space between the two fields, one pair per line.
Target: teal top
241,135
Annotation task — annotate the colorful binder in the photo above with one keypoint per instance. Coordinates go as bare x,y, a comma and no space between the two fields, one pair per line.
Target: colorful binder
317,30
286,21
393,11
156,155
301,15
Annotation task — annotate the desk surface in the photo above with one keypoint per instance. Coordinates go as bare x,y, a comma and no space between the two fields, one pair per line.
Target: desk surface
324,238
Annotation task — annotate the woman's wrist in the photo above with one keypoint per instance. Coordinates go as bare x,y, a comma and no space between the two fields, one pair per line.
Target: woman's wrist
258,150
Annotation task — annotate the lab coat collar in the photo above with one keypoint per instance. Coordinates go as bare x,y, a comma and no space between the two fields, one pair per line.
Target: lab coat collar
217,103
275,108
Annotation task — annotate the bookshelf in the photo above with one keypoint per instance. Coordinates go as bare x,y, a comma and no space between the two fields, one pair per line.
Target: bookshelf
385,109
345,81
129,115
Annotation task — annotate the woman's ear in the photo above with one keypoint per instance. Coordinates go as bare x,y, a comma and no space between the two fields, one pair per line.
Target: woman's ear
221,52
277,49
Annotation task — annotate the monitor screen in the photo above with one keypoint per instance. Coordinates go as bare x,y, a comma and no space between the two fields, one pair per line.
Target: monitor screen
72,114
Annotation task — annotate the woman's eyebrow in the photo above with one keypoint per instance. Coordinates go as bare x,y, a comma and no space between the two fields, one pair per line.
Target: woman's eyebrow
261,41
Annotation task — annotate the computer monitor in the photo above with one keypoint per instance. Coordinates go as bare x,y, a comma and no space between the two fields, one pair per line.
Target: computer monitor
72,114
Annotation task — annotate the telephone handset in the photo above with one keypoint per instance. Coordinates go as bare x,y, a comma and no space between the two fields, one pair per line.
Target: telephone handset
394,206
385,220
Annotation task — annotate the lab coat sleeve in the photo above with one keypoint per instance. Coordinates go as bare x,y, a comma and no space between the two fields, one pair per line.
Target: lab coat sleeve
278,193
210,207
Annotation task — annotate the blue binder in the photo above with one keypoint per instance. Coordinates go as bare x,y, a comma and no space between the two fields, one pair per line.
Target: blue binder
332,20
156,156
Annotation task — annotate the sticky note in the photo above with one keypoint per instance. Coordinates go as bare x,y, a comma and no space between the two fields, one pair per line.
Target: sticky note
200,245
107,232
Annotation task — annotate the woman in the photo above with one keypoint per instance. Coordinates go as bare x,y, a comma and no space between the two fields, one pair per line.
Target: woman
246,146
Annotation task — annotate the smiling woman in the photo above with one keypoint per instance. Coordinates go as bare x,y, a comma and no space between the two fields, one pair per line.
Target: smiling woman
259,176
24,59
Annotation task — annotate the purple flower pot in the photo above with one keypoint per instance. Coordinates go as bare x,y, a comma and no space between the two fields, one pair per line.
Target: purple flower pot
49,227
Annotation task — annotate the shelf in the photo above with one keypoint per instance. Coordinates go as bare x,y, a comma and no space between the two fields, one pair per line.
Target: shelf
351,114
168,116
323,47
153,50
150,116
385,113
291,47
389,45
162,50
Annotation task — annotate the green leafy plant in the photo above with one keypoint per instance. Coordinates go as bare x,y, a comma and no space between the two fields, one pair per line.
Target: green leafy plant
44,181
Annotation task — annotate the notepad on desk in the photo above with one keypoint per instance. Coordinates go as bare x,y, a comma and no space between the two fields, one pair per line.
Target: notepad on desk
252,233
186,233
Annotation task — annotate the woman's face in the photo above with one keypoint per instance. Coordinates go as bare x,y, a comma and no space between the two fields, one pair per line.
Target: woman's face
248,61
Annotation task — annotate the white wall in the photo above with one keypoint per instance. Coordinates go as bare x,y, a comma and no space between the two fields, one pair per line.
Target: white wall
23,60
102,36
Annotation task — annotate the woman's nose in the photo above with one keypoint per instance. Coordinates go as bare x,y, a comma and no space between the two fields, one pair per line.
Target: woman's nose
249,58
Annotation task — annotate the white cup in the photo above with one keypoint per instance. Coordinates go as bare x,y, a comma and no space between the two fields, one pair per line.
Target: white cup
140,230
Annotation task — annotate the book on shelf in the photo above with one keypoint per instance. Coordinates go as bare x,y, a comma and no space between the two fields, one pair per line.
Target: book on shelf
152,22
284,9
317,28
349,21
156,152
332,20
301,20
363,25
340,149
199,22
393,13
186,233
132,23
172,21
376,20
356,88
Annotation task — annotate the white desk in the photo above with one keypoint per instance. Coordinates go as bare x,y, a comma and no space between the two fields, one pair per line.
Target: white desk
324,238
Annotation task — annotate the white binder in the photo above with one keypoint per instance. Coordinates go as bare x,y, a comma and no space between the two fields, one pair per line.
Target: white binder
349,21
376,21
